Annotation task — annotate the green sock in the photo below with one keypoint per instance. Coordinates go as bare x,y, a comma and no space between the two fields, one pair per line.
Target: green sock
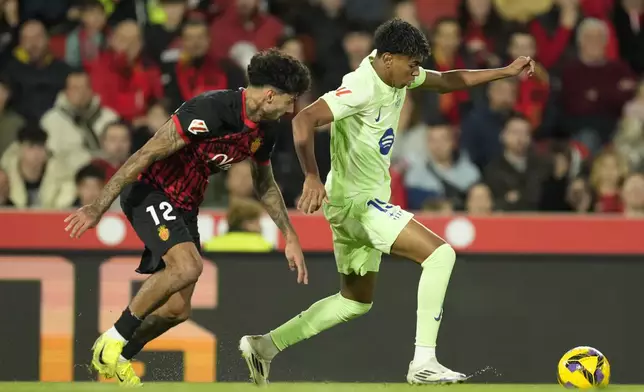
322,315
434,279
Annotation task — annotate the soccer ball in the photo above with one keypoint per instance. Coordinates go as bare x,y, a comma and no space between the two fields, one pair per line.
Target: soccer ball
583,367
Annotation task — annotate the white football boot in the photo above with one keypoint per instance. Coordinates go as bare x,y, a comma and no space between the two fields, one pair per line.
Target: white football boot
432,372
253,350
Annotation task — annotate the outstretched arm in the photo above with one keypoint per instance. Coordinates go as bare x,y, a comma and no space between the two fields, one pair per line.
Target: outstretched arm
445,82
271,198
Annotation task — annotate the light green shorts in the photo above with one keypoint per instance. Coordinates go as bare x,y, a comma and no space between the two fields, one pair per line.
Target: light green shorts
361,234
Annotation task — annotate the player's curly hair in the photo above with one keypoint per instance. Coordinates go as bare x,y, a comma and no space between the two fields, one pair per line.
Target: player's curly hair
399,37
274,68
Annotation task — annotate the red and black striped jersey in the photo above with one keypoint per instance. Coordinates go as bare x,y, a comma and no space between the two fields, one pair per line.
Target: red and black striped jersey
218,133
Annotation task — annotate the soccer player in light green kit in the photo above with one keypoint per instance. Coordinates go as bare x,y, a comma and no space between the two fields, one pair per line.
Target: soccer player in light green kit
365,111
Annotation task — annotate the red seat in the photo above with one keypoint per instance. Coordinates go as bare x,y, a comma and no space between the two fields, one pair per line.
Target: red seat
57,46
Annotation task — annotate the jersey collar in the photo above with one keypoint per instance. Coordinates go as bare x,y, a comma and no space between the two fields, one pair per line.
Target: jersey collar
247,121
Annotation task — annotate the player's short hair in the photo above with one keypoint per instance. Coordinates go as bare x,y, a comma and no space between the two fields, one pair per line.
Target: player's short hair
90,171
399,37
32,134
274,68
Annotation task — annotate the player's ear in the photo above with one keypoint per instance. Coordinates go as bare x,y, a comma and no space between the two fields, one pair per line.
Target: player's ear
388,59
270,94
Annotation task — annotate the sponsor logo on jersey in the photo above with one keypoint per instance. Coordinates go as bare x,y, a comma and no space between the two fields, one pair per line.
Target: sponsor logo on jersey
254,146
378,118
164,233
222,161
197,126
386,141
342,91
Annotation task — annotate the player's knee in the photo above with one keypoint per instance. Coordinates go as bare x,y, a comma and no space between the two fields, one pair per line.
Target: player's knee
352,309
443,255
185,265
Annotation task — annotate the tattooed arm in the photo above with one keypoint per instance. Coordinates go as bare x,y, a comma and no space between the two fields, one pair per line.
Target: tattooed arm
271,198
165,142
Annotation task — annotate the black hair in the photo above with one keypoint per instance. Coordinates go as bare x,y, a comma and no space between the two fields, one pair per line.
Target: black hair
399,37
274,68
88,5
443,20
116,123
33,134
516,116
492,27
90,171
193,22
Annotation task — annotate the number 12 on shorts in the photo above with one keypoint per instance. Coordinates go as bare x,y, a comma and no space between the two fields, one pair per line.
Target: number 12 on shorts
166,208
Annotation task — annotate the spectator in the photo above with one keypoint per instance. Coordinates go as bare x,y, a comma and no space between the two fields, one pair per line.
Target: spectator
116,143
85,43
89,183
483,31
449,107
239,181
533,91
407,11
627,19
554,31
635,107
126,82
629,142
76,122
195,71
162,42
446,174
244,22
244,229
594,89
479,200
579,196
516,176
157,115
36,179
10,121
481,128
633,196
5,200
606,178
368,11
35,75
357,44
565,165
9,20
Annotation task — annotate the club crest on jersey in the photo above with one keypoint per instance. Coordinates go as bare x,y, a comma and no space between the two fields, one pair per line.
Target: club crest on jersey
164,233
197,126
254,146
386,141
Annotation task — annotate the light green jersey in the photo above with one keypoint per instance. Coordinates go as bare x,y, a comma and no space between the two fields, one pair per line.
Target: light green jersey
365,121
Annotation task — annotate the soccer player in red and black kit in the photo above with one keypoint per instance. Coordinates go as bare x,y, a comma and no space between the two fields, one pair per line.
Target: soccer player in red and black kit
163,184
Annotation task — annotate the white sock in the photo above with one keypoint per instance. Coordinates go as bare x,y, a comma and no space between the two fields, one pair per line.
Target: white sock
122,359
423,354
114,334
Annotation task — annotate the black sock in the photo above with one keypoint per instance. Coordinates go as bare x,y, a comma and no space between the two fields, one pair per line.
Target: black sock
132,348
127,324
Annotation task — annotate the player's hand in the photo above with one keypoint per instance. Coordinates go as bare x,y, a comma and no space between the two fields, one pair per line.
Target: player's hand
84,218
522,64
295,257
313,195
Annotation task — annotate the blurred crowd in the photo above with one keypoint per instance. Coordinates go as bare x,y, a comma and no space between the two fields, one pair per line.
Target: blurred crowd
84,83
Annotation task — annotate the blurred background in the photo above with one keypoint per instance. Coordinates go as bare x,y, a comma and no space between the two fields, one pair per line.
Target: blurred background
518,168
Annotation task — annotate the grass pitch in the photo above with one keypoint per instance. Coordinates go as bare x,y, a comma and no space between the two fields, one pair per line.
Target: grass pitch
289,387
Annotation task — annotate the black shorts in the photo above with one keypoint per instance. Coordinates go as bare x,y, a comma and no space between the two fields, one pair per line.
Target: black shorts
158,223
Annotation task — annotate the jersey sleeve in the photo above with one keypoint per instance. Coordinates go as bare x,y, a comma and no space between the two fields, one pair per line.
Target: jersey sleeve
198,119
351,97
420,79
263,154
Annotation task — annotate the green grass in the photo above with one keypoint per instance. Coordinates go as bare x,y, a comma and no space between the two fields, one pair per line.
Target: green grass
289,387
